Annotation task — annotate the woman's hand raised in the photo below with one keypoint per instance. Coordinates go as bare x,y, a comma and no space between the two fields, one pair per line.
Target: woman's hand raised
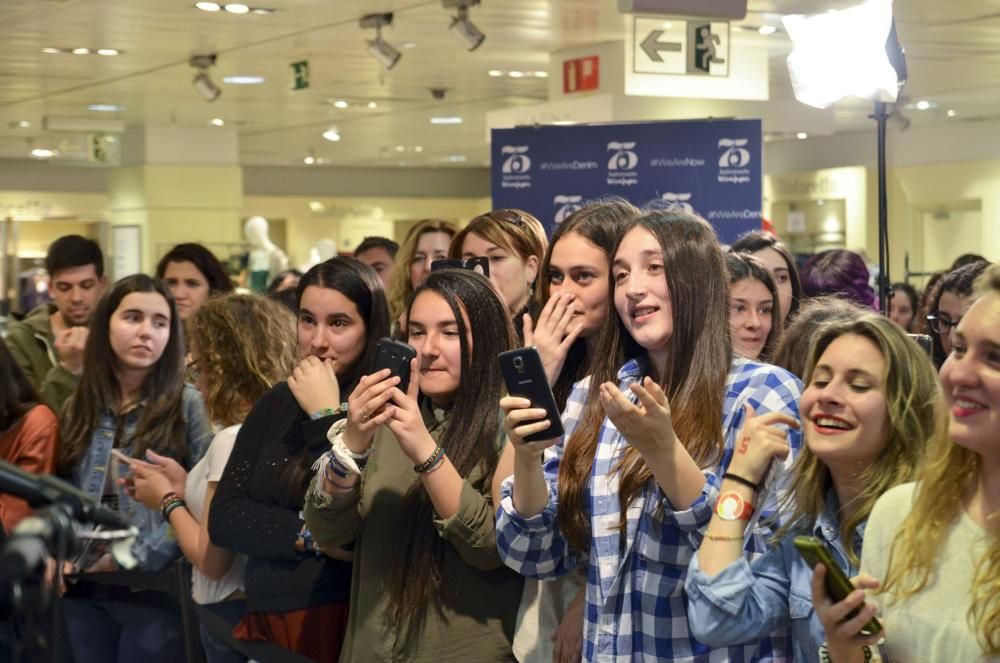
647,426
554,333
406,421
314,385
521,420
759,442
368,408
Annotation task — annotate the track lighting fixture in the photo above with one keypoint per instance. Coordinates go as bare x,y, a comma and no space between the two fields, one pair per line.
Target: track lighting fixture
202,82
379,48
461,26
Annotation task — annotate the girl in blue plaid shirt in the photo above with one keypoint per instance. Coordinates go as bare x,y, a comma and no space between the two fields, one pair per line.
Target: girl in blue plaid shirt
633,482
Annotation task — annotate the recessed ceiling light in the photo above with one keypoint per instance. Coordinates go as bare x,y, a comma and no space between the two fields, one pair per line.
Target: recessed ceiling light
243,80
263,10
51,50
373,105
540,74
564,123
418,148
81,51
331,135
447,120
208,6
407,45
309,160
923,104
217,122
767,29
20,124
802,135
516,74
340,103
400,148
456,158
108,51
495,73
106,108
42,153
236,8
951,112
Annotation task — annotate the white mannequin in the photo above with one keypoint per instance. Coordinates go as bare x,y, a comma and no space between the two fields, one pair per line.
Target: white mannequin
266,259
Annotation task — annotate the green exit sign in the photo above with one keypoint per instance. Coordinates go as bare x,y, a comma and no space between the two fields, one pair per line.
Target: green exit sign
300,75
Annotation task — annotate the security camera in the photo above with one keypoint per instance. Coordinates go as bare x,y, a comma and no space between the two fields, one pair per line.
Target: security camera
438,92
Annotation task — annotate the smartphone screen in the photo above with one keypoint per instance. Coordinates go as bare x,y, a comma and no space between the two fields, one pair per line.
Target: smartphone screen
525,377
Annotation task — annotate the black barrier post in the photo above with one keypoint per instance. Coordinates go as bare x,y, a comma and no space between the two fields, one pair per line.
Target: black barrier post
881,115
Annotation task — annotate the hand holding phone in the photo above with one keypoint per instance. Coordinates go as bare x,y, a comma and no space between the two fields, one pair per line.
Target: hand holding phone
836,584
396,356
525,377
122,458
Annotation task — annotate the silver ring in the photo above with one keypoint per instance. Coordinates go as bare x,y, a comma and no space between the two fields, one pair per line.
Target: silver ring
364,415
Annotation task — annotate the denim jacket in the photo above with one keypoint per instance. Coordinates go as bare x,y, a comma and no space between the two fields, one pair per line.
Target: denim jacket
745,602
156,545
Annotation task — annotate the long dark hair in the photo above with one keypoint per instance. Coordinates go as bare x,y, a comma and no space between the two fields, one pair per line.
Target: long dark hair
215,274
17,396
758,240
743,266
694,378
161,426
470,437
958,282
360,284
601,223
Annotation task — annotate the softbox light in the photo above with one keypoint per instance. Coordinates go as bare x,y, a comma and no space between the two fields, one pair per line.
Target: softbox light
842,54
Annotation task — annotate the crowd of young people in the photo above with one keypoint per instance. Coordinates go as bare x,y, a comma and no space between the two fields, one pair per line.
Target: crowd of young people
340,512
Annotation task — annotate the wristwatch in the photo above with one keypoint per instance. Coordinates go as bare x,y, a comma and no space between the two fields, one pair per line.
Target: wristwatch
732,506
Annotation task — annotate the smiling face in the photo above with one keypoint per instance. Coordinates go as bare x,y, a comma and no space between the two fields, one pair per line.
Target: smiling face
580,267
641,296
75,292
139,330
775,263
844,407
188,286
330,327
433,332
431,246
509,273
750,306
970,378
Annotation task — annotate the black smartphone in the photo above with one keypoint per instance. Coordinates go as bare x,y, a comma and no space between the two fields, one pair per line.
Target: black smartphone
525,377
838,586
924,341
396,356
480,265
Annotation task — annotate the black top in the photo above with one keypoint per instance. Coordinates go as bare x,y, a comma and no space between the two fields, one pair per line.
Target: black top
254,513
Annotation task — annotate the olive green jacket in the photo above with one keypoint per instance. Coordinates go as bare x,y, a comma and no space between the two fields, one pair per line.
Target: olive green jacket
31,343
476,620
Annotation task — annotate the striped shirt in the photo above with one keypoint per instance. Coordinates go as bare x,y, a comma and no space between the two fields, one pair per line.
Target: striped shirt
636,607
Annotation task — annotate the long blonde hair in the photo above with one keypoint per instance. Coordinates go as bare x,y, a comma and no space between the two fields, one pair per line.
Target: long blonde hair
916,416
400,285
936,506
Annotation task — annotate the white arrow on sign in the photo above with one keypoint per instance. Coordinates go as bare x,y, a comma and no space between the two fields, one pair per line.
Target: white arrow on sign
652,46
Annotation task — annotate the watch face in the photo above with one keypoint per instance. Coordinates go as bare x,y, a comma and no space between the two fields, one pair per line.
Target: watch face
730,506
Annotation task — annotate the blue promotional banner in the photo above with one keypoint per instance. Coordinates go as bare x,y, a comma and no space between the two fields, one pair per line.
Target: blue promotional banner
711,167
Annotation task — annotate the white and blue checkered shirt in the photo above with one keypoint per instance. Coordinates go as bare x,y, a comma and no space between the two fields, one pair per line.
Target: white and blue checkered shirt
636,603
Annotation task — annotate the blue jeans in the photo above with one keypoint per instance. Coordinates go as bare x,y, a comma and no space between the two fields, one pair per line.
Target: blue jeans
217,650
144,627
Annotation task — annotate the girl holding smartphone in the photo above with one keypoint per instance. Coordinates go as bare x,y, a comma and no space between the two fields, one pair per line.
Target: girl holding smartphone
870,407
630,487
409,480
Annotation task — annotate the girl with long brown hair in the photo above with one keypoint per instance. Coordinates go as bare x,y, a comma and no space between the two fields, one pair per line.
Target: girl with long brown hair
633,482
409,480
935,544
131,397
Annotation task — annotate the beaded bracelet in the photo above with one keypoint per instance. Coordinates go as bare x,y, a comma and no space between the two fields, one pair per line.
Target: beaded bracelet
431,462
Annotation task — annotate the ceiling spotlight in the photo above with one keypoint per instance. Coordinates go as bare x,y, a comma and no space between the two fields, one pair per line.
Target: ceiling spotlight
52,51
379,48
951,113
243,80
923,104
461,26
802,135
208,6
24,124
309,160
495,73
331,135
448,119
106,108
217,122
236,8
208,90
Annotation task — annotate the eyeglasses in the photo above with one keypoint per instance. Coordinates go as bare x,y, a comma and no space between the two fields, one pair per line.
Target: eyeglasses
942,325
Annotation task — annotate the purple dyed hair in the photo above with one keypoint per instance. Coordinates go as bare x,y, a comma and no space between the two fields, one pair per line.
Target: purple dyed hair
838,272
